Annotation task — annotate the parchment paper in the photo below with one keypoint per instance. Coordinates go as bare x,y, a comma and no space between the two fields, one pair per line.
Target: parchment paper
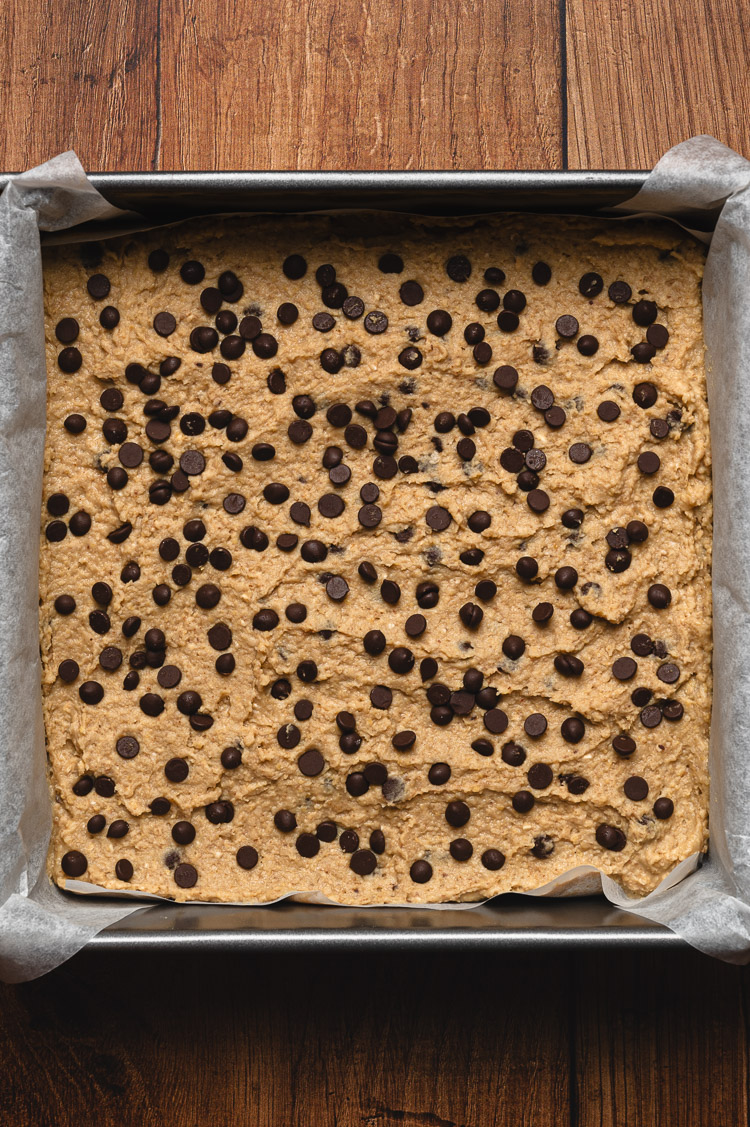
40,926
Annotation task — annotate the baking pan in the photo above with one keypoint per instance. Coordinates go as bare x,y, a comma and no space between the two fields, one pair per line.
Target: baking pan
510,921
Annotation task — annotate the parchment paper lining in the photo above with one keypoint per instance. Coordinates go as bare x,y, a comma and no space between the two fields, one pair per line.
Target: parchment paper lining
709,906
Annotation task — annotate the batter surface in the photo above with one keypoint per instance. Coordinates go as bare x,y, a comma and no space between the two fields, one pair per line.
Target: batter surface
375,556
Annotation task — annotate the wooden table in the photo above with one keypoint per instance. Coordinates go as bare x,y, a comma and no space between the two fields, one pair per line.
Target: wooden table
614,1039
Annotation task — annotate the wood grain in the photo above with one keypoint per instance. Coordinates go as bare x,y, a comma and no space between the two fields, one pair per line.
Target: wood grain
602,1040
368,84
659,1041
615,1039
78,74
643,75
325,1041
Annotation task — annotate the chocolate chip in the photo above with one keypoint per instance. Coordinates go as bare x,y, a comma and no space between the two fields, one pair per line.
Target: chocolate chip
663,498
590,285
337,588
68,670
624,668
421,872
659,428
542,612
568,665
438,518
299,432
221,374
663,808
636,788
83,786
523,801
566,578
458,268
401,660
495,720
439,322
79,524
608,411
381,697
287,313
535,725
331,505
610,837
542,398
311,763
580,452
555,417
648,462
527,568
471,615
185,876
247,857
331,361
566,326
624,745
119,535
104,786
644,313
264,346
307,671
75,424
323,322
572,518
493,859
541,273
657,335
618,560
294,267
659,596
669,673
645,395
207,596
98,286
620,292
543,846
74,863
651,716
110,658
109,318
410,358
313,551
572,729
457,813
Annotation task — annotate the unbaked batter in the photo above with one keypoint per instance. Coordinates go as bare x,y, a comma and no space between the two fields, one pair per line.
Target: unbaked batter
376,557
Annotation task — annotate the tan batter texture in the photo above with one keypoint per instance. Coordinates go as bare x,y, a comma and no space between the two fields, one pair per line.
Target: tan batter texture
510,776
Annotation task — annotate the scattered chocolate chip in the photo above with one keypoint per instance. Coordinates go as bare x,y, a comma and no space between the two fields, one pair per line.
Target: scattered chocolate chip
566,326
610,837
74,863
644,313
645,395
535,725
663,808
608,411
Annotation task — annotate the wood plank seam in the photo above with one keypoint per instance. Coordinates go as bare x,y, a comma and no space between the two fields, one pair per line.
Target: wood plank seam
562,9
156,162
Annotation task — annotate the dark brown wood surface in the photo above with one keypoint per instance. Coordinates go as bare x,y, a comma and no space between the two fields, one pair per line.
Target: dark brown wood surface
587,1039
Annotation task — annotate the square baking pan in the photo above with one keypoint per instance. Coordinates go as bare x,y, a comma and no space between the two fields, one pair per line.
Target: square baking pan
511,921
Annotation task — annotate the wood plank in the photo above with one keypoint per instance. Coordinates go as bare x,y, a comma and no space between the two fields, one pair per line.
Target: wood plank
330,1041
79,74
645,74
373,85
659,1040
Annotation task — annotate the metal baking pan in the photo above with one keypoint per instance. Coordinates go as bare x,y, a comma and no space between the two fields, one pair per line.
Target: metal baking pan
510,921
